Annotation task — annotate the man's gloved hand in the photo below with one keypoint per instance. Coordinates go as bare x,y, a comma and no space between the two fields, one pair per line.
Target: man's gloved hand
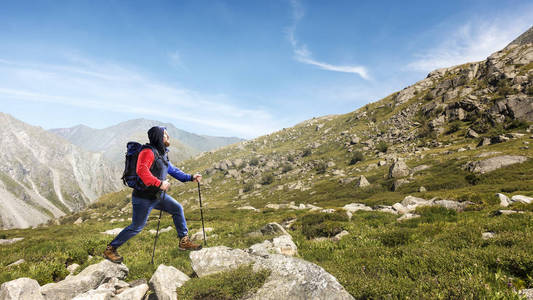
196,178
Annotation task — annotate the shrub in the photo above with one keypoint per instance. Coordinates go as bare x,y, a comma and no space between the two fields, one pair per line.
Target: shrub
454,127
254,161
322,225
267,179
397,237
357,157
321,167
248,187
306,152
234,284
530,90
382,146
286,168
517,124
473,179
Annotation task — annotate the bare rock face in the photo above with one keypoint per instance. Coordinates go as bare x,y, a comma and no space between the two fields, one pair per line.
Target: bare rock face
494,163
398,169
290,278
166,280
21,289
88,279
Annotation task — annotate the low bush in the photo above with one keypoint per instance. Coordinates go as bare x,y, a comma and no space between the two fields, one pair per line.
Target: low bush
234,284
356,157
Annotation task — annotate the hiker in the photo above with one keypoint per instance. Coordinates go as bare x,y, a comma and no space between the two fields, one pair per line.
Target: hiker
152,168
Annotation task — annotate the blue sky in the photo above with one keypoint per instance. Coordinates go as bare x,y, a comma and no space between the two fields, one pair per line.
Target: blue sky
232,68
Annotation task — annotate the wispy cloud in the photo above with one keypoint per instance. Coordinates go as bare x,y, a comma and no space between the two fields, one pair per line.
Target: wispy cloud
304,55
472,41
114,88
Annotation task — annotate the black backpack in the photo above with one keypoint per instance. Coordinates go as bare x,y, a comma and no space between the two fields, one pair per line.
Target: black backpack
130,177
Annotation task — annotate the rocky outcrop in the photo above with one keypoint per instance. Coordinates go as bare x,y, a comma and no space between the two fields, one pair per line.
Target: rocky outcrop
494,163
88,279
21,289
398,169
290,277
165,281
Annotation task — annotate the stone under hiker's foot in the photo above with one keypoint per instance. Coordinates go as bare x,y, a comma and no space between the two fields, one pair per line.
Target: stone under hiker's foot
186,244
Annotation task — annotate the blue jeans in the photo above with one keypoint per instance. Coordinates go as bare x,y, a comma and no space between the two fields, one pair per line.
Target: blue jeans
142,208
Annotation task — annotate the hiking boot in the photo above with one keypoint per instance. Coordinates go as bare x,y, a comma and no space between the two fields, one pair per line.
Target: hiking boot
186,244
111,254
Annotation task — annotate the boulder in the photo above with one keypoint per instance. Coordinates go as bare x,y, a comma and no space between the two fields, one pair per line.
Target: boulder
72,268
218,259
134,293
279,245
200,234
20,289
290,277
10,241
340,235
521,199
472,134
408,216
527,293
398,169
18,262
90,278
398,183
411,202
400,208
504,200
353,207
454,205
494,163
165,281
248,208
488,235
96,294
154,231
273,228
362,182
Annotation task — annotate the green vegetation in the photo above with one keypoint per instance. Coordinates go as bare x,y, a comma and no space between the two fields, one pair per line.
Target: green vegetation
357,157
382,146
229,285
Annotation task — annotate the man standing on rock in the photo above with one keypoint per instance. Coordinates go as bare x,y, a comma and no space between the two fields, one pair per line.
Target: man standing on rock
152,167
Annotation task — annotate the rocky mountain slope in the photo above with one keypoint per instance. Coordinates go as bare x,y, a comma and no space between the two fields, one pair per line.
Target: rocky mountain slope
427,193
112,140
43,176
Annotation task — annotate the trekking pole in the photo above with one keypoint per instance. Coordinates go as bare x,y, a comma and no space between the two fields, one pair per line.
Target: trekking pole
158,222
201,212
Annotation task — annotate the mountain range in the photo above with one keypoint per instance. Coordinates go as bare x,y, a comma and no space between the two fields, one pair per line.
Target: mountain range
111,141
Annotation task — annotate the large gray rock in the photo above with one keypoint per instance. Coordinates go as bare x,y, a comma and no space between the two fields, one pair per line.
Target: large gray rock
88,279
494,163
290,278
166,280
362,181
398,169
10,241
134,293
279,245
273,228
527,293
21,288
353,207
504,200
454,205
522,199
218,259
